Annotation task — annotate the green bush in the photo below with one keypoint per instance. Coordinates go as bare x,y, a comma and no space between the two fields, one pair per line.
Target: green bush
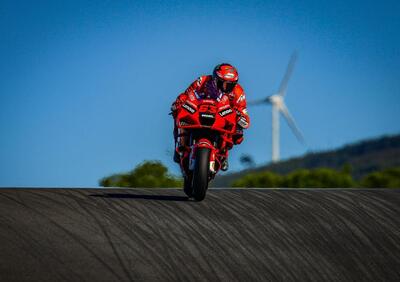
149,174
318,178
388,178
303,178
261,179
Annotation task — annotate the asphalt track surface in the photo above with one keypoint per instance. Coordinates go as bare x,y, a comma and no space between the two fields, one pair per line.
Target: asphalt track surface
233,235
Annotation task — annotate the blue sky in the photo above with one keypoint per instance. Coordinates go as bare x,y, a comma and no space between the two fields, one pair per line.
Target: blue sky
86,86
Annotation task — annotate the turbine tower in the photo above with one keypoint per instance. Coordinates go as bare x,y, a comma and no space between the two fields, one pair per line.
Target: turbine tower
278,106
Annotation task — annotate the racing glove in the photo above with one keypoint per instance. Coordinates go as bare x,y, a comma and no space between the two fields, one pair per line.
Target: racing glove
242,122
175,107
237,138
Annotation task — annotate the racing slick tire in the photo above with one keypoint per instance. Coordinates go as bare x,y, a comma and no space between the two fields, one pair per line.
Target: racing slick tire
200,173
187,185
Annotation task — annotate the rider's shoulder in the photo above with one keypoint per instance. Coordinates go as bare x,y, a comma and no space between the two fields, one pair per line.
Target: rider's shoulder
203,79
238,90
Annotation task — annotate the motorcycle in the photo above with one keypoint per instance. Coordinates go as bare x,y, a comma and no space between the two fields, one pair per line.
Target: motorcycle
208,125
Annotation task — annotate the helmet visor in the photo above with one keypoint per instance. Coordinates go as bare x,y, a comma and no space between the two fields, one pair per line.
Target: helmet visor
225,86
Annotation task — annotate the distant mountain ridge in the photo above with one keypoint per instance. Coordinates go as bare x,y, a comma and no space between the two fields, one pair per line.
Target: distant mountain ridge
364,157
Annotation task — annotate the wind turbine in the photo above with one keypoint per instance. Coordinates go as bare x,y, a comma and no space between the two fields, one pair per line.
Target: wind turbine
278,106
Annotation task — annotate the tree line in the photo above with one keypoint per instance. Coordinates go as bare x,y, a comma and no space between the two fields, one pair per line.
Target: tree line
321,178
151,174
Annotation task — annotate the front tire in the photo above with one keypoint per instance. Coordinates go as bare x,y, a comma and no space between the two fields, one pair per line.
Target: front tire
187,185
200,173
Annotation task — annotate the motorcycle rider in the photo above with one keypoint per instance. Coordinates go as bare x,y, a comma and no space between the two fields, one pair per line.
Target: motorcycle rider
223,81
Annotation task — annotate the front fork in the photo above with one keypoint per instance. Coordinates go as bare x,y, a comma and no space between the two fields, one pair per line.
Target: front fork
203,143
190,147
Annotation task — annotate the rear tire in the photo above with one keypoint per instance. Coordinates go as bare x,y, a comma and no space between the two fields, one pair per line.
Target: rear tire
200,173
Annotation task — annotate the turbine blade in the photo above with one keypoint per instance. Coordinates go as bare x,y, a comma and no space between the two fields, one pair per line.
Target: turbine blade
292,124
258,102
289,70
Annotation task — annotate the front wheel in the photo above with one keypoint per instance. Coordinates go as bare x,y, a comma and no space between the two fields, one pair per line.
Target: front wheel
200,173
187,185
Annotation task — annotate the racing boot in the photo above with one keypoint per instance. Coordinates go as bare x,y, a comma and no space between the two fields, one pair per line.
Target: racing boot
224,165
177,157
180,146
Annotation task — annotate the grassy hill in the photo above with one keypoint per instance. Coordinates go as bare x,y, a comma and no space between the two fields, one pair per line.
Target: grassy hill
364,157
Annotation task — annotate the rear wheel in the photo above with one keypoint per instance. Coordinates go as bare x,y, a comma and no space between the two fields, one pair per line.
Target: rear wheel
200,173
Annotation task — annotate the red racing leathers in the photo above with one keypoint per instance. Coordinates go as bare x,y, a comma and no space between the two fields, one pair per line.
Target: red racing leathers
205,88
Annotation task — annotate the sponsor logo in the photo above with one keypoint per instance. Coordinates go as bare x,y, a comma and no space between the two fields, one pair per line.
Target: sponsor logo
207,116
188,108
229,75
225,112
208,101
241,98
199,81
183,123
243,123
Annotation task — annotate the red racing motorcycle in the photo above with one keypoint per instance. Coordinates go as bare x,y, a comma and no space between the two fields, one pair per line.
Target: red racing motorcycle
208,125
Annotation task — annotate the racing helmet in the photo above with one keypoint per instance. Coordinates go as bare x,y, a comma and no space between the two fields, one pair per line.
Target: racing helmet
225,77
